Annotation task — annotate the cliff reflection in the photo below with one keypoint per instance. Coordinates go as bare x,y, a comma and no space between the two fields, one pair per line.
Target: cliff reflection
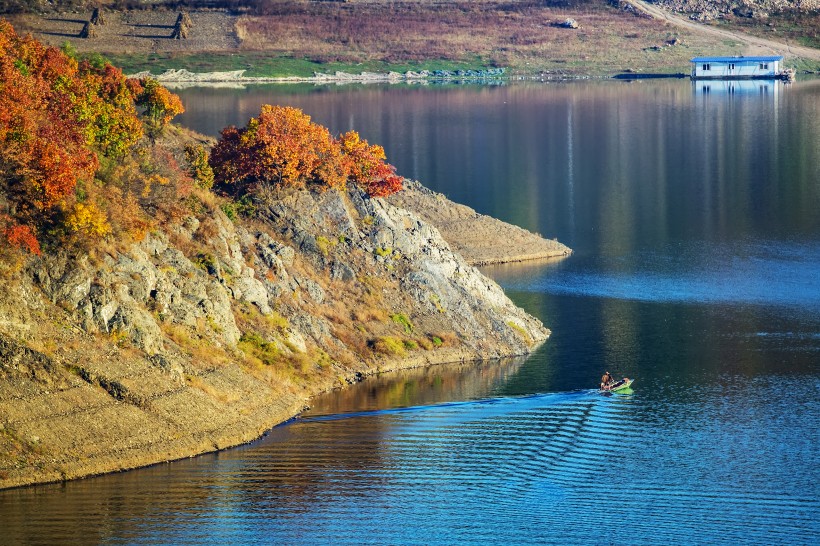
420,387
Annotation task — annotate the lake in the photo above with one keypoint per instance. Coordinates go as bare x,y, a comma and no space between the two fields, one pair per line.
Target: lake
693,213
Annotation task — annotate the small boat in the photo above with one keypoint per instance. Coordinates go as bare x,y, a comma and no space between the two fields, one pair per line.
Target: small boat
617,386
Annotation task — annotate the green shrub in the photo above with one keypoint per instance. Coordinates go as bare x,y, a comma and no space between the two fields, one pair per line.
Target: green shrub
324,244
198,167
207,262
401,319
255,345
241,207
390,346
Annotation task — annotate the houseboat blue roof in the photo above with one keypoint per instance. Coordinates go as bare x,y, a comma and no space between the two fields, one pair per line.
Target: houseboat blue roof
758,59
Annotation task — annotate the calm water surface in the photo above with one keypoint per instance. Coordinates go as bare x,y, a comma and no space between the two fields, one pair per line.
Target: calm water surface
693,213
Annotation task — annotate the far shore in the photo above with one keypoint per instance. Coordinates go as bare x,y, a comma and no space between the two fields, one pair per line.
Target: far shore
183,76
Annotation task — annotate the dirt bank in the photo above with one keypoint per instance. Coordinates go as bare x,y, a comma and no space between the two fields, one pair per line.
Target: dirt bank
753,45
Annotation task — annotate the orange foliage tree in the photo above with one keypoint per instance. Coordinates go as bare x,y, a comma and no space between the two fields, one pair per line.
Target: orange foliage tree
161,106
281,147
284,148
57,116
366,166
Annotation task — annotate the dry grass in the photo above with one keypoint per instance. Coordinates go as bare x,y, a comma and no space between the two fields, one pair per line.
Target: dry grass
287,38
519,35
202,385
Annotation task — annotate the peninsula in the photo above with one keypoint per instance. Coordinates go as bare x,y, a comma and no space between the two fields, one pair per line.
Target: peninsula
163,297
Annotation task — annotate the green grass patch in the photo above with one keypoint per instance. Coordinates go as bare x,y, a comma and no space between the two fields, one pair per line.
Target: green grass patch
521,331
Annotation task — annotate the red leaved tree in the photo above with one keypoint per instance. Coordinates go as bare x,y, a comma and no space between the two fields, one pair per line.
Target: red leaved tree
365,165
57,116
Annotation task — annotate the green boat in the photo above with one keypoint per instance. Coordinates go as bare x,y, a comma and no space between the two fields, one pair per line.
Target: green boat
618,386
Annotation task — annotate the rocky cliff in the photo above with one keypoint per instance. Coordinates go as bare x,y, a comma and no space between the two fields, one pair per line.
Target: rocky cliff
208,332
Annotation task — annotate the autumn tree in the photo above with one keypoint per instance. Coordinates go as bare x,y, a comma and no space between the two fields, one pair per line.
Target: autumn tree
43,149
58,118
280,148
160,105
283,148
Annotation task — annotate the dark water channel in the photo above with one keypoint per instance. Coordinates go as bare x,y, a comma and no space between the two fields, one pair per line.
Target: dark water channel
693,212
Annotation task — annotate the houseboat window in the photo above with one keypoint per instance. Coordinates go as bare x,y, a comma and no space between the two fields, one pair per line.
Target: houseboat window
707,67
731,66
764,66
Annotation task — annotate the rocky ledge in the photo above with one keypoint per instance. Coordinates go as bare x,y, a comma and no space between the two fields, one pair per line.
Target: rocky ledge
480,239
212,330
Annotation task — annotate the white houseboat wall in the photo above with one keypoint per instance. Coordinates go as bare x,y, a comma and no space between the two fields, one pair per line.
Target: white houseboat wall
729,68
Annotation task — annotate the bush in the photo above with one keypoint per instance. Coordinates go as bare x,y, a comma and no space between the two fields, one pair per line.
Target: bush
284,148
401,319
281,147
389,345
61,120
198,167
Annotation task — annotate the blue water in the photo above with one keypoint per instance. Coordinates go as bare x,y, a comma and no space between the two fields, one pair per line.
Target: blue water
764,273
693,217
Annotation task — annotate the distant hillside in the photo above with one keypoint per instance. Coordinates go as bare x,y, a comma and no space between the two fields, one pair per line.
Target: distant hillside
741,8
255,6
791,21
710,7
291,38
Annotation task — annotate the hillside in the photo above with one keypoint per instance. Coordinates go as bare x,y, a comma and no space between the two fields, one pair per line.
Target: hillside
296,39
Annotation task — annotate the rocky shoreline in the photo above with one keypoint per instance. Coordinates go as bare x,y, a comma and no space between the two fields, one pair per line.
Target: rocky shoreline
182,76
137,358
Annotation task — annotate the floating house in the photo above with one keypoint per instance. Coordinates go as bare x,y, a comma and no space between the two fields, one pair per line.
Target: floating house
730,68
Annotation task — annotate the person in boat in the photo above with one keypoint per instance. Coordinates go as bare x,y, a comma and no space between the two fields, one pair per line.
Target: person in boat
606,380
